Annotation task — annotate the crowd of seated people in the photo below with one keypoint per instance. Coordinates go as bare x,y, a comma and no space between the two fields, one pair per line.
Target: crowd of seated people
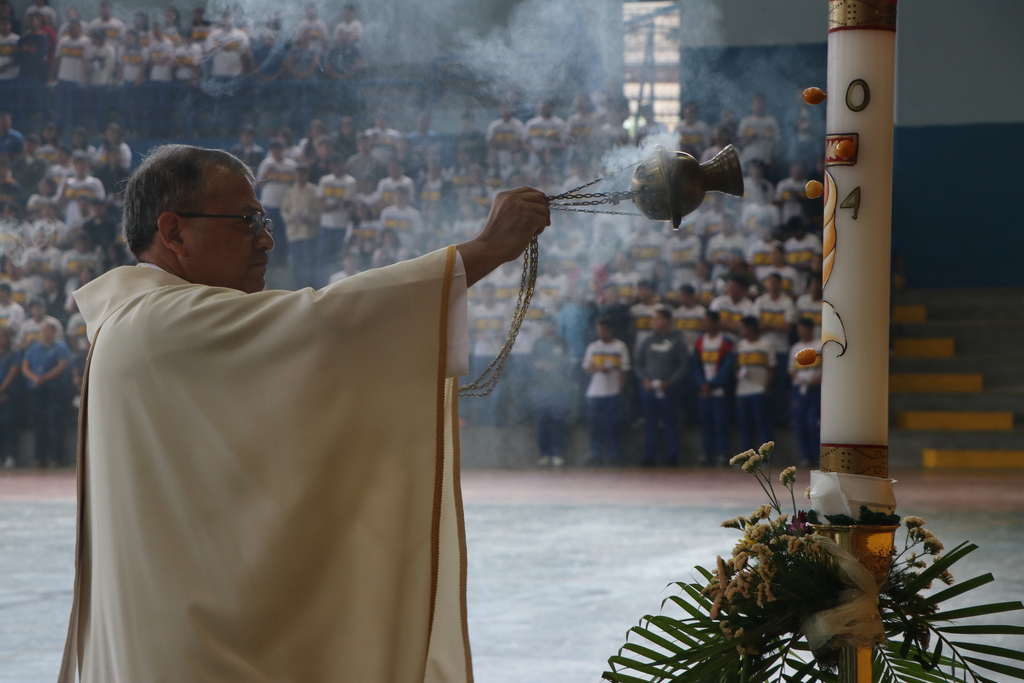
78,71
737,283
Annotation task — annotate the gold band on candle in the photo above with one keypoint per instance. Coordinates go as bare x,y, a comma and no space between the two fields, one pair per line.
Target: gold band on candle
871,461
877,15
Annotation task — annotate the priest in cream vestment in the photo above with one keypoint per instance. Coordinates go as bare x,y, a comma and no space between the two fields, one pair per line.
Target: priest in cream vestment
268,480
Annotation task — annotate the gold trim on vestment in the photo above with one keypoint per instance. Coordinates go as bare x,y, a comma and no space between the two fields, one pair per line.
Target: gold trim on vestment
453,396
70,662
442,371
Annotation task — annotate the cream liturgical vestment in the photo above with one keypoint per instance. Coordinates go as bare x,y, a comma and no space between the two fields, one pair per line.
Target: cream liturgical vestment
269,483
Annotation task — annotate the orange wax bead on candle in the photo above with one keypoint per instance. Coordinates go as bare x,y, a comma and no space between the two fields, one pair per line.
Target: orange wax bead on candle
806,357
846,149
814,189
814,96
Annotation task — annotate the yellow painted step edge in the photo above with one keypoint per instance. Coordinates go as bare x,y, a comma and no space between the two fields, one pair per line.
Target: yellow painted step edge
909,313
921,383
933,458
923,348
955,421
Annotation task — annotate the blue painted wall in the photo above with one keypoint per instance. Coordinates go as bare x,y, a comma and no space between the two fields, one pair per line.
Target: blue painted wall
956,213
959,122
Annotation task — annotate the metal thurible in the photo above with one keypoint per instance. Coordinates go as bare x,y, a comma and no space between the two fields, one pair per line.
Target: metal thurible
668,186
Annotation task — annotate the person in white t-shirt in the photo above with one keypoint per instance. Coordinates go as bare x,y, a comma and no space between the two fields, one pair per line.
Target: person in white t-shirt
552,282
314,29
694,135
544,135
336,191
188,60
759,133
349,25
132,61
683,251
688,317
791,194
759,249
808,304
712,215
806,394
776,315
8,52
78,188
755,364
227,49
488,321
788,276
725,245
733,306
102,65
647,248
802,248
642,313
388,186
756,189
161,56
11,313
505,138
45,12
401,217
70,73
31,329
132,68
274,176
113,28
388,143
607,361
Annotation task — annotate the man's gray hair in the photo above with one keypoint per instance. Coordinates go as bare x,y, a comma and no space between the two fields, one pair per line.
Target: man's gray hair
172,178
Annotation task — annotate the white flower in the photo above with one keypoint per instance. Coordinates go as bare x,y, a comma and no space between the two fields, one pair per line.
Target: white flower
752,463
767,449
913,522
742,457
788,476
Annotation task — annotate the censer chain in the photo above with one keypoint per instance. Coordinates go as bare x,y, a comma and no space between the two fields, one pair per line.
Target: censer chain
488,379
571,199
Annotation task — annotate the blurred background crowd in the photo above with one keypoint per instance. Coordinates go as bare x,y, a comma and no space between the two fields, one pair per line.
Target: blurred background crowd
633,324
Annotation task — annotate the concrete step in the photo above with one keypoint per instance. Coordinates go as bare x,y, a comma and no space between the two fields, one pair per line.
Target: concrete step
965,459
914,442
909,313
970,337
966,304
1008,399
925,347
934,382
945,420
996,370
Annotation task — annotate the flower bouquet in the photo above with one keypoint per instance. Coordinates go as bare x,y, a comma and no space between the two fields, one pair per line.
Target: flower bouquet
788,601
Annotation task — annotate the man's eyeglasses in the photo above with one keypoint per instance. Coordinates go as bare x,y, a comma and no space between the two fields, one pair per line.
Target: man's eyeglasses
257,221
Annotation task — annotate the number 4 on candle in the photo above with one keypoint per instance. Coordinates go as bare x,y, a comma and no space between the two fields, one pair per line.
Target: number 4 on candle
852,201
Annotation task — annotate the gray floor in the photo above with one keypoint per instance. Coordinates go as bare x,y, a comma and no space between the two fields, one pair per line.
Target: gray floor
552,589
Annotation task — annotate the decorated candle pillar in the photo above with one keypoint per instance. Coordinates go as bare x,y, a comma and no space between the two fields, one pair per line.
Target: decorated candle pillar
857,235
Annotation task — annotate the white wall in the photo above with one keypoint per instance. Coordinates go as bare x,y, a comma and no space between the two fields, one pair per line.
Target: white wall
959,61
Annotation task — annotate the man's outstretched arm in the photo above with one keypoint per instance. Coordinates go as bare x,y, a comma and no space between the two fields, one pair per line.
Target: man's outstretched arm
516,217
